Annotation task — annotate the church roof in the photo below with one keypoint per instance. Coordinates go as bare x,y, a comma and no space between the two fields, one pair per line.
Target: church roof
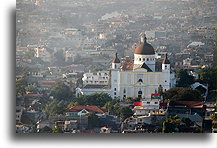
146,67
144,48
166,60
127,66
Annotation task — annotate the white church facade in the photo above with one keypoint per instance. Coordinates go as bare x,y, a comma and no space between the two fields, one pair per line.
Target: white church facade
137,78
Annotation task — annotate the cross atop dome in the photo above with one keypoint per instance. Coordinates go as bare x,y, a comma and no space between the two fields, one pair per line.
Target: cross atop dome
144,48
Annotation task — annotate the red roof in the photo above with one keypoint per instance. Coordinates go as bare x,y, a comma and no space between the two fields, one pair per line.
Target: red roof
137,104
189,103
155,94
127,65
93,109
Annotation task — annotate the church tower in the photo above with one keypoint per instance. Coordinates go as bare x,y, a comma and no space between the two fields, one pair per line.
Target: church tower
166,73
165,64
144,54
116,62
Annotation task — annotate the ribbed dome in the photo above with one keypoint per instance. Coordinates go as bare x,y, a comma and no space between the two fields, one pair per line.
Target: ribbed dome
144,49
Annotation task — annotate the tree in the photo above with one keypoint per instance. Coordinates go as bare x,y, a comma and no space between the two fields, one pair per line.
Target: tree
93,120
31,89
112,106
171,124
125,112
129,100
208,76
98,99
61,91
20,87
72,104
184,79
176,124
182,94
55,108
57,130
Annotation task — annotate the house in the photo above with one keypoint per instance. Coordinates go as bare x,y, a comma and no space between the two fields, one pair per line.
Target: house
186,107
105,130
148,106
84,110
19,112
70,125
44,53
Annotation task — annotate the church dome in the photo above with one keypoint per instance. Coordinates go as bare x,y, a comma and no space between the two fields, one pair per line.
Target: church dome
144,48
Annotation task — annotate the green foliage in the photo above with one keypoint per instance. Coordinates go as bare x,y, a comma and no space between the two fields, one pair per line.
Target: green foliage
112,106
187,122
182,94
72,104
57,130
184,79
98,99
20,87
129,100
60,91
55,108
175,124
207,75
31,89
125,112
93,120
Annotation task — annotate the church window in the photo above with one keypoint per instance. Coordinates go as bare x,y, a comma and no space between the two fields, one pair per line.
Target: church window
115,93
140,59
147,59
115,66
115,89
140,94
140,80
124,90
143,59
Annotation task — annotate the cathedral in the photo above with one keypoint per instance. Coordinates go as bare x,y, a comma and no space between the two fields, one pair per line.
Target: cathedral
137,78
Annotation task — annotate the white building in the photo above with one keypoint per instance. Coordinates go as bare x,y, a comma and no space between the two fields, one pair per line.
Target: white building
96,78
138,78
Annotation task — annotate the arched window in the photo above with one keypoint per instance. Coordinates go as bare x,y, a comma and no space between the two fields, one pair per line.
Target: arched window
140,80
140,94
124,91
140,59
147,59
